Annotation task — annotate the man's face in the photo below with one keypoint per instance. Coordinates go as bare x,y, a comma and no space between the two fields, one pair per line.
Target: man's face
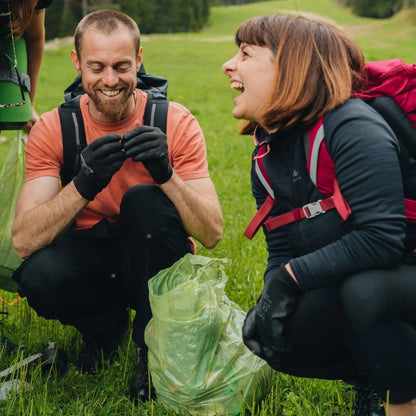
108,65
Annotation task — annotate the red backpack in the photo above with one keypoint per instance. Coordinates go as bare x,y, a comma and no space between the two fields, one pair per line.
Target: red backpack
389,89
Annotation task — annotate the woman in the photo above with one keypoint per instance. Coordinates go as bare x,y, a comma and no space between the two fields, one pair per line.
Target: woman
339,300
27,18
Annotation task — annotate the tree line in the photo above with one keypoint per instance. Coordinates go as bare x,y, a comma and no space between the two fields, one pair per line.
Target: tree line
152,16
377,8
169,16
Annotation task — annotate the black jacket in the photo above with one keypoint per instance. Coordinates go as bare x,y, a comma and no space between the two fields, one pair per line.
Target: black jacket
369,163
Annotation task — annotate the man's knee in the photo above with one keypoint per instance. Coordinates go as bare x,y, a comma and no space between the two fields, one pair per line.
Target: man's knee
40,282
145,199
146,206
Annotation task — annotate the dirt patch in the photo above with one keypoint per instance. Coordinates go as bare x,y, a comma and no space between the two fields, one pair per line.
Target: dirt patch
58,43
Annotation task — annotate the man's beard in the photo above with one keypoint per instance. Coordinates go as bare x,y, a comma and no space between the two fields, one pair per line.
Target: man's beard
111,109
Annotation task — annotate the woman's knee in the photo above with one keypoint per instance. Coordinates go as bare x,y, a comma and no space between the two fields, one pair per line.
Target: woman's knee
363,299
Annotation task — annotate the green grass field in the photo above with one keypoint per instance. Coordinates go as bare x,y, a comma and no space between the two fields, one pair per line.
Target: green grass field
192,64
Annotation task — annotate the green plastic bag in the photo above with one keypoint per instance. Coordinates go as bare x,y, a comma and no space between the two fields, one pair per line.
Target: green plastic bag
197,360
12,176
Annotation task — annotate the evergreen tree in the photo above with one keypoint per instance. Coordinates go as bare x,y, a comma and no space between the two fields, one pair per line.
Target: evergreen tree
376,8
142,11
156,16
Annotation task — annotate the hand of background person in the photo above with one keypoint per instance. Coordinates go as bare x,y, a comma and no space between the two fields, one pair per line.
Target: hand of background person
35,118
263,329
100,160
149,145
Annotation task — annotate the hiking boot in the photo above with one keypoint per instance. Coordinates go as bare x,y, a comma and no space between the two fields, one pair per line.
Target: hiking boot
366,401
91,358
141,387
102,348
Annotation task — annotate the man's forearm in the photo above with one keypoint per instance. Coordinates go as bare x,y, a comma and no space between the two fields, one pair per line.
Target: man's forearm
198,207
37,227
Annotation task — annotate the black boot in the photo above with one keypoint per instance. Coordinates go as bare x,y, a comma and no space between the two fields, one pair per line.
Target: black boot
141,387
366,401
103,347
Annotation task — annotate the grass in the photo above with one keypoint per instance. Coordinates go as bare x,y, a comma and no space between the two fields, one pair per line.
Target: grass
192,63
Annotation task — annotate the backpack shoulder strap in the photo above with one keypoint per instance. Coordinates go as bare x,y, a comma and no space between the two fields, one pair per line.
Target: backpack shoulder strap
322,169
320,165
73,137
264,211
156,110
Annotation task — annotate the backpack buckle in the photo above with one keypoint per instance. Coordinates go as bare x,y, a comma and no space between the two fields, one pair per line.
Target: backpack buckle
313,209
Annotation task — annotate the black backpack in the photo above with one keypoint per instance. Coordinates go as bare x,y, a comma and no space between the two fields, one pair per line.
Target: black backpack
72,124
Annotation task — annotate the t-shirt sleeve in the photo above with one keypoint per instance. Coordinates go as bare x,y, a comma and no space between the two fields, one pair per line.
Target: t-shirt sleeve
186,143
44,150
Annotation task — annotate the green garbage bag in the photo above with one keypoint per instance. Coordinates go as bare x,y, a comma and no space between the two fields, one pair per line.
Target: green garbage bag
197,360
12,176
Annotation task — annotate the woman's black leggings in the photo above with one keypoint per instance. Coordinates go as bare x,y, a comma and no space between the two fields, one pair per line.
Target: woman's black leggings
88,278
365,326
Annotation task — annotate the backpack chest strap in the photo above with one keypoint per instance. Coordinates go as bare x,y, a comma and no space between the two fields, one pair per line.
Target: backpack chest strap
308,211
312,210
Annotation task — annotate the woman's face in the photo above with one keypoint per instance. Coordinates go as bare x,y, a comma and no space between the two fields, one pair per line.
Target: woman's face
251,73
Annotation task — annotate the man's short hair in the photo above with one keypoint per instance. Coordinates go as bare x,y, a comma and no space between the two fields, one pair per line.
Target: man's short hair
106,21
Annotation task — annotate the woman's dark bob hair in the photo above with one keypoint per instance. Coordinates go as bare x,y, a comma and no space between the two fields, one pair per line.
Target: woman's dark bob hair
317,67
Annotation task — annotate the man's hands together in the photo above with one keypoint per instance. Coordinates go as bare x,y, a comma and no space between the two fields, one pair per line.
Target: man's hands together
149,145
100,160
263,329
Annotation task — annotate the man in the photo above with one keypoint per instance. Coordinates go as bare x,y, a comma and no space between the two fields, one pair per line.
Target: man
90,247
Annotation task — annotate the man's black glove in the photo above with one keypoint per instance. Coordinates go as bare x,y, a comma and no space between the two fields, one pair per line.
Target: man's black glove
149,145
264,324
100,160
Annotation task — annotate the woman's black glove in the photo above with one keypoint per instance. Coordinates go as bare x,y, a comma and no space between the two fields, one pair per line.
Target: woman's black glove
149,145
100,160
264,324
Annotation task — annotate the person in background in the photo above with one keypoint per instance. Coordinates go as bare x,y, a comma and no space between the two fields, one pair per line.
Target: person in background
91,247
339,297
27,18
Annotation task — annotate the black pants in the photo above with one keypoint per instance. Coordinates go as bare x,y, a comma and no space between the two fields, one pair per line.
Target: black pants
88,278
365,326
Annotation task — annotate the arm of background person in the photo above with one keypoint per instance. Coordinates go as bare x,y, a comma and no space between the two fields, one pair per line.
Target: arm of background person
197,203
43,213
35,42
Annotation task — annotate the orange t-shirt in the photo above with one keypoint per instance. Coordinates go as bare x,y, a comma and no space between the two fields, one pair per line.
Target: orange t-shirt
186,145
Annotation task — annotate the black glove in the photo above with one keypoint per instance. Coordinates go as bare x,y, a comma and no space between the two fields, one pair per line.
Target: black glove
252,339
149,145
264,324
100,160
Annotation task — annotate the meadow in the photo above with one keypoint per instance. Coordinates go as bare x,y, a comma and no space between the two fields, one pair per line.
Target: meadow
192,64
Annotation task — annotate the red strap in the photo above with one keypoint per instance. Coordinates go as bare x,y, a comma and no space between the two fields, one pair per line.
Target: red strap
340,203
259,218
410,209
192,245
307,211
